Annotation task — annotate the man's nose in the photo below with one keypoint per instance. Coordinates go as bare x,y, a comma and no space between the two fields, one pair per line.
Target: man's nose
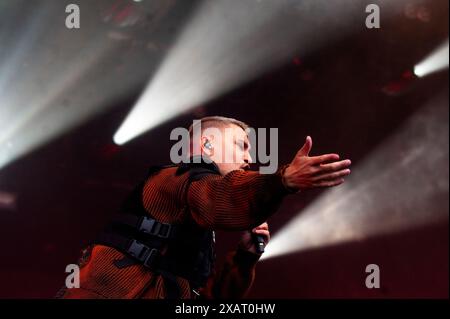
248,158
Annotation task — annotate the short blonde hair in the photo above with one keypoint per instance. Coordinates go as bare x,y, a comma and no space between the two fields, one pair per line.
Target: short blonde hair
217,121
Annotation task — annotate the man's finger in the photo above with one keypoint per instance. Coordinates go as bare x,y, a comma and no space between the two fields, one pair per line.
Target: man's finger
331,176
315,160
332,183
263,233
336,166
306,148
262,226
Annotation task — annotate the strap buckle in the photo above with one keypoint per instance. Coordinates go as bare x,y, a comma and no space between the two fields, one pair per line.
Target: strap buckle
152,227
143,253
147,225
165,230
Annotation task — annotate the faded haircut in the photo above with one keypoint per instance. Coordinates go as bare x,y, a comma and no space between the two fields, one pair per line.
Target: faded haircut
218,122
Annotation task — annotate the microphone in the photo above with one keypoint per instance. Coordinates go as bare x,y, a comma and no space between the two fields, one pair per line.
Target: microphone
258,240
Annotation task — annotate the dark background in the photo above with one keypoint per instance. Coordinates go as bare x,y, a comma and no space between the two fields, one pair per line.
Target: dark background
350,96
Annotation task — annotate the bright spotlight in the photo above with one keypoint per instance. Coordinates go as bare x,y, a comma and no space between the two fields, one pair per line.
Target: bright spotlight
402,185
437,61
226,44
46,86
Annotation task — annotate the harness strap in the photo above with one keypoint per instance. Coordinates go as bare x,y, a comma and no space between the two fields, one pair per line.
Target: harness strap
144,240
146,225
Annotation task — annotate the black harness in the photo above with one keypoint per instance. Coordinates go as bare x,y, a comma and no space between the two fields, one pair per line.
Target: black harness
172,250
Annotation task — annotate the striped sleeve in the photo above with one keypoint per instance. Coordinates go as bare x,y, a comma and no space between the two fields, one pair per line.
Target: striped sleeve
239,200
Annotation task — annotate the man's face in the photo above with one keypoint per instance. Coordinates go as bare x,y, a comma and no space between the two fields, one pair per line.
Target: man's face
229,150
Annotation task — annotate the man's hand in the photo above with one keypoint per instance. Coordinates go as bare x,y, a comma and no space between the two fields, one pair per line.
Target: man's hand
316,171
247,241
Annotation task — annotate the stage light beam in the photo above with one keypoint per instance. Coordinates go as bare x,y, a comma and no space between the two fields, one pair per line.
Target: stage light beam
228,43
435,62
402,185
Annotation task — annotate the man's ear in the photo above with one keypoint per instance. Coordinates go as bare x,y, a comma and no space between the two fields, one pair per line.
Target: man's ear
206,146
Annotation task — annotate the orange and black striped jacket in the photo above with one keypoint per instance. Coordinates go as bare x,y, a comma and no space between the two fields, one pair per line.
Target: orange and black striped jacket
240,200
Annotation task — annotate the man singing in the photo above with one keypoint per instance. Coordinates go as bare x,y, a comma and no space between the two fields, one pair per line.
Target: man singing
161,244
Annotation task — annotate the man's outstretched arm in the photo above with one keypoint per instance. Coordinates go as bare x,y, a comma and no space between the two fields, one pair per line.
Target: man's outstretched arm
242,200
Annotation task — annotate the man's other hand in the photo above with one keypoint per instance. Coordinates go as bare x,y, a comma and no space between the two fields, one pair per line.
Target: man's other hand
247,243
